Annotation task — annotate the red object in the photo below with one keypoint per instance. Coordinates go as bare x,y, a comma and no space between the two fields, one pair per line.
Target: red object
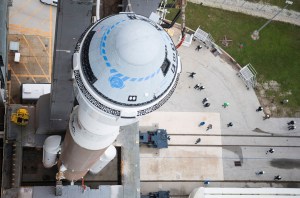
180,43
82,184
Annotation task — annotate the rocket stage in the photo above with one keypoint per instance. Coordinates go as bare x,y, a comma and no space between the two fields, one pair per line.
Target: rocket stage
23,156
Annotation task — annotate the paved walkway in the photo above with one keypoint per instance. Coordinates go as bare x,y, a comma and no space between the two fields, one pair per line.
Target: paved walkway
166,164
221,85
255,9
247,141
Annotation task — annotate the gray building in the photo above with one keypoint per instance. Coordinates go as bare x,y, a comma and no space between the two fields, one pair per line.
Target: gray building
3,47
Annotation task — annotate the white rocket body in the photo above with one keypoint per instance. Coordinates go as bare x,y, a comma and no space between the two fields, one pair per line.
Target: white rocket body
124,66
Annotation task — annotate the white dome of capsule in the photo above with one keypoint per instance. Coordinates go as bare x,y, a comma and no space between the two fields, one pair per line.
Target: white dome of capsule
126,61
139,45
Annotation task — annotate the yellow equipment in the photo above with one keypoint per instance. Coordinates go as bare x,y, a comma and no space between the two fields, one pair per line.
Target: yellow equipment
21,117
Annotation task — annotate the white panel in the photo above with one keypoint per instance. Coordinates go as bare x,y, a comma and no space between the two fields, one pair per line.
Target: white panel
14,46
34,91
17,57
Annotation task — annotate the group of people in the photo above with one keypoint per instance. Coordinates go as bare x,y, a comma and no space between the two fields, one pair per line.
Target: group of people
291,125
207,128
201,87
260,108
277,177
198,87
204,101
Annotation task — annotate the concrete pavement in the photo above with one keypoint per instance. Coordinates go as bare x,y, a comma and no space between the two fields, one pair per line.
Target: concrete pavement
182,162
246,142
31,17
221,85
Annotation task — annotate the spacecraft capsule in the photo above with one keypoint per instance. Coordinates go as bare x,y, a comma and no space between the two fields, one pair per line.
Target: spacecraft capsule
124,66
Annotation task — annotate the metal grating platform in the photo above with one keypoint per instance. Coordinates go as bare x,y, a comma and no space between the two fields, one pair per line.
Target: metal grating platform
248,75
203,36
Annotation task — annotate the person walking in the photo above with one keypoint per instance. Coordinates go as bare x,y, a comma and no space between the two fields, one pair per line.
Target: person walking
201,124
292,122
229,124
260,172
260,108
197,86
291,127
192,74
198,47
226,104
271,150
201,88
204,100
267,116
198,140
206,182
209,127
206,104
277,177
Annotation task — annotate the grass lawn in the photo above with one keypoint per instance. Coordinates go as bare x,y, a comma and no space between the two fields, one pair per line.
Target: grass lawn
280,3
275,56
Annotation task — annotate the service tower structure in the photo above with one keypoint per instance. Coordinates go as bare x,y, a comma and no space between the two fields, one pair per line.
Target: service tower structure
124,66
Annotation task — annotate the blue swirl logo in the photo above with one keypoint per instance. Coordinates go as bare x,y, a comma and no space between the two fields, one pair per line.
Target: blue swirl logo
116,82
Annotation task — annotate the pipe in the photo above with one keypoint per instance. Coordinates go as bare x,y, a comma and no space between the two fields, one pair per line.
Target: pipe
98,10
129,8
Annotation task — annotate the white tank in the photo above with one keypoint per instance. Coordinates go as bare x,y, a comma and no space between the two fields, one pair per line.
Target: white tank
108,155
51,148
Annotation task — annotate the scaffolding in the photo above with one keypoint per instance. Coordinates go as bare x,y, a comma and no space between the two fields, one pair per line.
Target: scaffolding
248,75
204,37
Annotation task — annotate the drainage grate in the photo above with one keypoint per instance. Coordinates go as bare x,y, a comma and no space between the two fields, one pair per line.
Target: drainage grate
237,163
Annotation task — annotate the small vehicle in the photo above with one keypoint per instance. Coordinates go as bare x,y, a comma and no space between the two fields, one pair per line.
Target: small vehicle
21,117
155,139
50,2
